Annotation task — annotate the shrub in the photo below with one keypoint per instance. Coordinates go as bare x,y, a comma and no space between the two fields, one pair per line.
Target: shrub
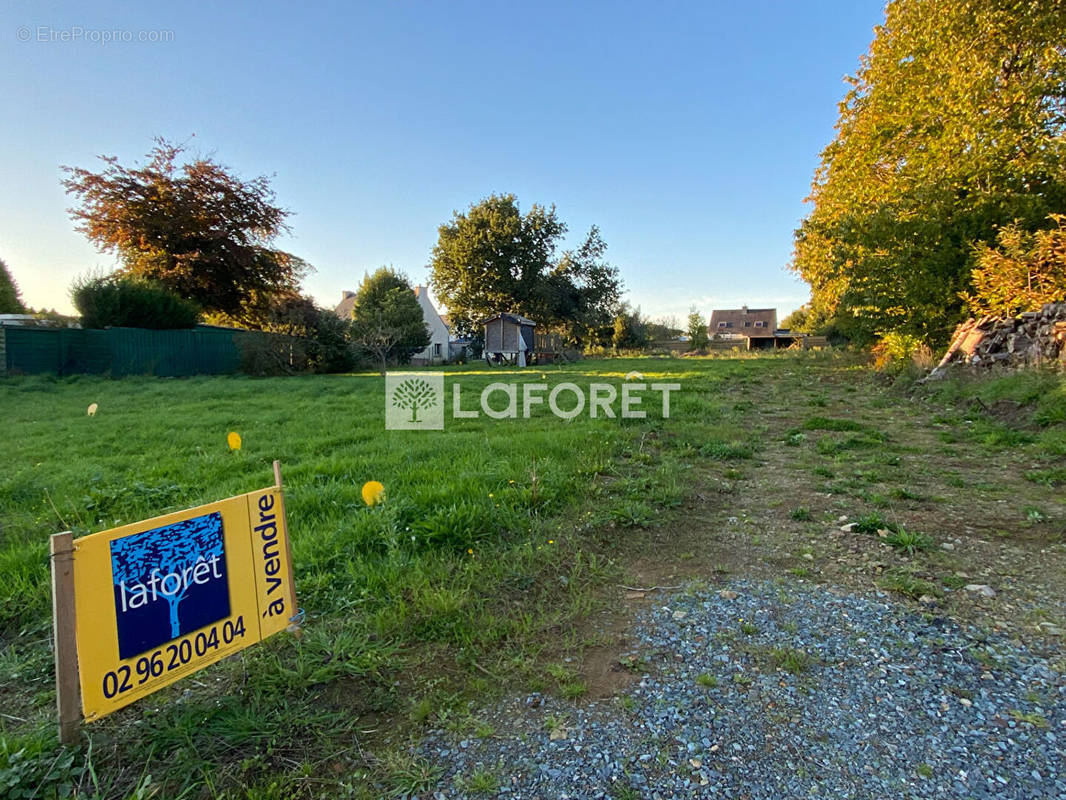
297,336
1022,273
268,354
122,302
896,351
332,349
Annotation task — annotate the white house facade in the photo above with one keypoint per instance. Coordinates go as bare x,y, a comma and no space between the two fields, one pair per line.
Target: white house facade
437,352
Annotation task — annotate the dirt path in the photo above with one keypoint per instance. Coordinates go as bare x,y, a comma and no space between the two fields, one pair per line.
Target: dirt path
779,515
858,599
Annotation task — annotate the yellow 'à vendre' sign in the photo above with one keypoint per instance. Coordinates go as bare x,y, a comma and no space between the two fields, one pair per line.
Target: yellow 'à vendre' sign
160,599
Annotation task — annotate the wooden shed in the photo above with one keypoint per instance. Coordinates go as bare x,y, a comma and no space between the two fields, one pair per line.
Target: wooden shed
509,339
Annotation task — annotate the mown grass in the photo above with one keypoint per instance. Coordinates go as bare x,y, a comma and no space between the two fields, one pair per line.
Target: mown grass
496,537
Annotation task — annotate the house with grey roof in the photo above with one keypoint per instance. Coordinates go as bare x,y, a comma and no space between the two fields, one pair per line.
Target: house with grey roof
437,350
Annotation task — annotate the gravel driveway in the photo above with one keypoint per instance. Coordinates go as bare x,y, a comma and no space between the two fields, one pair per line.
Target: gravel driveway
775,690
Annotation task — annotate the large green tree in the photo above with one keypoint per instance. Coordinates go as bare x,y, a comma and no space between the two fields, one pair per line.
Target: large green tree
494,258
952,128
189,224
10,301
582,291
387,320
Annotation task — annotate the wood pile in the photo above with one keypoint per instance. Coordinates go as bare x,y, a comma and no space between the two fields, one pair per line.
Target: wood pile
1033,338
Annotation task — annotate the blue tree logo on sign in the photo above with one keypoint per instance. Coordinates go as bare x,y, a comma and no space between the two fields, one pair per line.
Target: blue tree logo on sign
169,581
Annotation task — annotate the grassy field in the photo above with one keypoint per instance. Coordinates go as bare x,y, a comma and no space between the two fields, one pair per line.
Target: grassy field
496,561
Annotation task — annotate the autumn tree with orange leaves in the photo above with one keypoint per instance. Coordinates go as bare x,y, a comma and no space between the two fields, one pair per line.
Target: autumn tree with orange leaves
190,225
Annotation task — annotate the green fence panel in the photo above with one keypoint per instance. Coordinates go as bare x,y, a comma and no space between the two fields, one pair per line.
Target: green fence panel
31,350
122,351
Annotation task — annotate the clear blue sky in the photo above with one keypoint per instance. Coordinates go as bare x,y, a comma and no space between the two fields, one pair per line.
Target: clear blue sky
689,132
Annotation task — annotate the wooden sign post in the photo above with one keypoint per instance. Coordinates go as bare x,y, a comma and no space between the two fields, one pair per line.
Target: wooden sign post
68,697
297,619
139,607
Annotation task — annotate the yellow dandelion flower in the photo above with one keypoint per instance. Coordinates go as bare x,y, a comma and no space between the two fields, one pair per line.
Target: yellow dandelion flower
373,493
470,551
233,440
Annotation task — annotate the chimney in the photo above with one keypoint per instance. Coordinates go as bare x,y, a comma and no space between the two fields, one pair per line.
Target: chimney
744,309
346,294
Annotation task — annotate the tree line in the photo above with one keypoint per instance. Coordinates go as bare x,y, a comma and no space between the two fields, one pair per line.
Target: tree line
197,243
939,195
493,257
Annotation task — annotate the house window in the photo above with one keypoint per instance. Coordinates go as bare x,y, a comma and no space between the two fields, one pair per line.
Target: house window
760,324
748,324
721,324
436,349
